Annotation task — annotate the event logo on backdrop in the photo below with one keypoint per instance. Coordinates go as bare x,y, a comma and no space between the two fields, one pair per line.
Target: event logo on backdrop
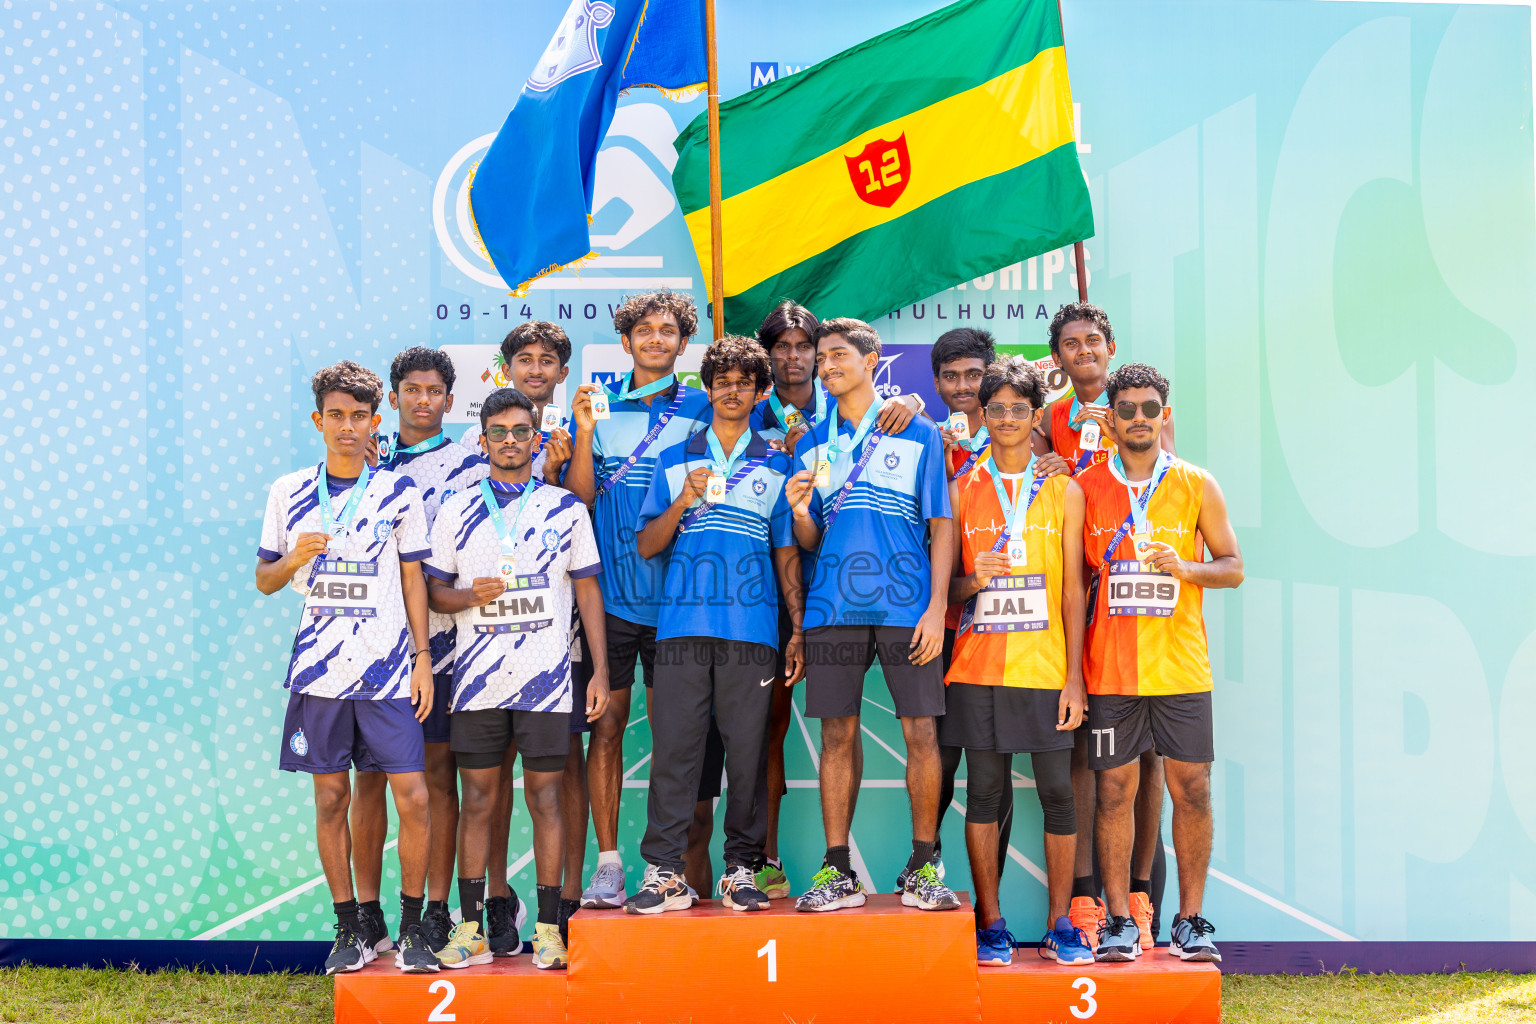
1298,239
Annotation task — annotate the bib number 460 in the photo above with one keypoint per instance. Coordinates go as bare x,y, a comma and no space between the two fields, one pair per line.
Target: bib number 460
339,590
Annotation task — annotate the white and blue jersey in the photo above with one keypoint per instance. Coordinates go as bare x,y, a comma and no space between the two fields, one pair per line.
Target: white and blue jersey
525,670
439,473
366,658
720,578
632,586
873,567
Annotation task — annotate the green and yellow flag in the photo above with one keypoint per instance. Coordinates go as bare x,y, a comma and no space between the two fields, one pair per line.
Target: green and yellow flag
935,153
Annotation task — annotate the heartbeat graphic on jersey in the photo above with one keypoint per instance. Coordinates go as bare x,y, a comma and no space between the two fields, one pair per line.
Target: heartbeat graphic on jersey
995,527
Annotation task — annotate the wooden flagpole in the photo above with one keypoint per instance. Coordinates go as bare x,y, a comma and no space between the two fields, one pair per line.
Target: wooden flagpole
1077,247
716,256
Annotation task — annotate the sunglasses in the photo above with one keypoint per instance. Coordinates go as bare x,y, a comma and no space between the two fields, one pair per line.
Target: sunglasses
1019,410
498,434
1151,409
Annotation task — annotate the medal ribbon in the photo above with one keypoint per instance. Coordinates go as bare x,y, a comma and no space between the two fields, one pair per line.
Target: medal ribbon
645,443
328,525
625,393
1139,502
692,515
416,449
722,466
1014,515
821,405
493,509
834,443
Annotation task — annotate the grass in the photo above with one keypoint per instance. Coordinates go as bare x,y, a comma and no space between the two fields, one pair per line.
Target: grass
173,997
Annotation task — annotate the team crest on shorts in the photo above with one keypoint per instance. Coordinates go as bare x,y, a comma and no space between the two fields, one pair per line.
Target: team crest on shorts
892,460
381,530
299,744
551,540
759,486
450,492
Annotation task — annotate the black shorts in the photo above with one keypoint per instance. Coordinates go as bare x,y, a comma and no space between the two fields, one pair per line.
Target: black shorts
480,738
1120,728
838,658
581,675
1005,719
628,641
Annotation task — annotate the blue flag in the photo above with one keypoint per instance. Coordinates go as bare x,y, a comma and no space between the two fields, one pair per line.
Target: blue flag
532,193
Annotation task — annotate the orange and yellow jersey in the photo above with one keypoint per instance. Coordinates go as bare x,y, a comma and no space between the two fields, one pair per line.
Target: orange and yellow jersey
1065,438
1132,653
1036,658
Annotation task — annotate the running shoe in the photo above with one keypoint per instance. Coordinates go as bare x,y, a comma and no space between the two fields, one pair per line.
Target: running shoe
661,890
413,956
370,918
831,890
901,879
1088,916
1066,944
548,948
504,919
1141,913
607,889
465,946
772,880
436,926
1119,941
926,891
994,945
348,953
739,891
1190,942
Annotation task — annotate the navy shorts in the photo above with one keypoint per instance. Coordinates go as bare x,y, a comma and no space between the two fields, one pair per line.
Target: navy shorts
322,735
581,675
435,728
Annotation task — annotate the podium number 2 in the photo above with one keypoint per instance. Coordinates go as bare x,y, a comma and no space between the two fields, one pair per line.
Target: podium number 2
446,987
771,951
1090,1006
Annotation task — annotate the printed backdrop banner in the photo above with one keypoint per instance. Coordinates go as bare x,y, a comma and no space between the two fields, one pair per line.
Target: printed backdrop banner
1316,218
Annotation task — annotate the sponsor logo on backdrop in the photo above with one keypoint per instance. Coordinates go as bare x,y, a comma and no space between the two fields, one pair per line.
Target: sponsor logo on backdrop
478,370
765,71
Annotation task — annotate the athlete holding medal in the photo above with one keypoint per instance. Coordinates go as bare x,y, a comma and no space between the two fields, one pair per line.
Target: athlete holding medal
1143,516
360,677
508,559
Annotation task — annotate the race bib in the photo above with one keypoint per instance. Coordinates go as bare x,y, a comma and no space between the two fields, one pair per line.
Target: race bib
341,588
1012,604
1136,590
526,606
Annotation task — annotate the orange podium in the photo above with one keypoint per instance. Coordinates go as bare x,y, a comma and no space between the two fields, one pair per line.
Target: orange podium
880,964
505,990
1153,989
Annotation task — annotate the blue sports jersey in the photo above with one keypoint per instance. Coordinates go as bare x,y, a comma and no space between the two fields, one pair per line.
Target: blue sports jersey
632,586
720,578
873,566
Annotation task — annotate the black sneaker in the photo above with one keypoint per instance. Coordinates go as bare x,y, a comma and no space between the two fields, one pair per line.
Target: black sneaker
504,918
370,918
413,956
568,910
662,890
926,891
348,954
831,890
436,926
1190,942
1119,940
901,879
739,891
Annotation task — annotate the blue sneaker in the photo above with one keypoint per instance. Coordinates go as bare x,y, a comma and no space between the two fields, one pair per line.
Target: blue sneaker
994,945
1119,940
1190,940
1066,944
607,889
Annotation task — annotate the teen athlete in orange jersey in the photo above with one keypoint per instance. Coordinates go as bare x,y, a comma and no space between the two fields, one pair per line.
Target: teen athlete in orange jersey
1016,680
1073,434
1144,514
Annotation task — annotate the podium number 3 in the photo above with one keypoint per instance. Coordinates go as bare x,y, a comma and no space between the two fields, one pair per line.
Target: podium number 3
771,951
446,987
1090,1006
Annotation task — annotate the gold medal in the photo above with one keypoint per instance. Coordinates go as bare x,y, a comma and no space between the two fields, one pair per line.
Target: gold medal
822,473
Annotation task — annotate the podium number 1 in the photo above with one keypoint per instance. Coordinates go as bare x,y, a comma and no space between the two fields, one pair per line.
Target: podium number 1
771,951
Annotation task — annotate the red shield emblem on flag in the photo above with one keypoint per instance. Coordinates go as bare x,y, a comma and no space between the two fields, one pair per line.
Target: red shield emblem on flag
880,171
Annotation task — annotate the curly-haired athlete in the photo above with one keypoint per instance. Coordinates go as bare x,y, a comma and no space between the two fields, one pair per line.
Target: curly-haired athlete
649,411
